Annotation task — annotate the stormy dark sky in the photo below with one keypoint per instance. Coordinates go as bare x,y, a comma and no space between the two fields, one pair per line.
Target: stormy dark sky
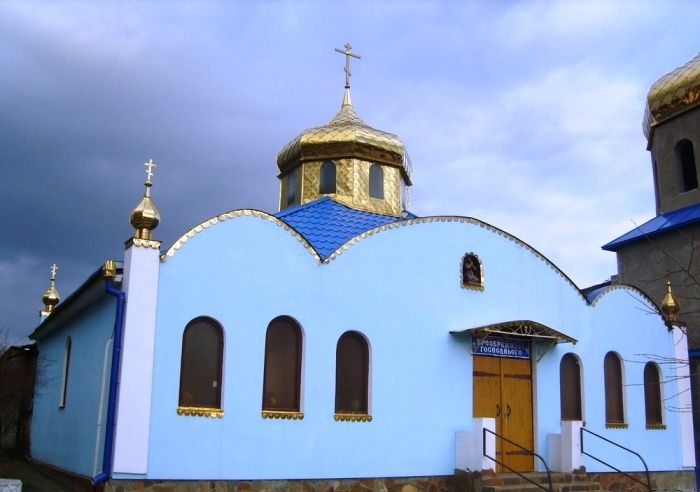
524,114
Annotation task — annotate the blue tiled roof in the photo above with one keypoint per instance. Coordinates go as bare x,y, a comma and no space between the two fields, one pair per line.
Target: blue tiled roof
327,224
661,223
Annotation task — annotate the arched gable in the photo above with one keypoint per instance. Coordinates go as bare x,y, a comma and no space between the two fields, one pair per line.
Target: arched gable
180,242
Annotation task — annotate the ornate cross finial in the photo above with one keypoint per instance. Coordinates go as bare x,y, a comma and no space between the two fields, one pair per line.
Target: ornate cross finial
348,53
149,170
53,269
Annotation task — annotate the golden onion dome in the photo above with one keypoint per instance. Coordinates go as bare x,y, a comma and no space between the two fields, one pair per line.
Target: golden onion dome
51,297
676,92
670,305
145,216
345,136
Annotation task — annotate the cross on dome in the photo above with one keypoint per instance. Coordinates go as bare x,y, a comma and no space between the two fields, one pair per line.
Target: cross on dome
53,269
348,53
149,170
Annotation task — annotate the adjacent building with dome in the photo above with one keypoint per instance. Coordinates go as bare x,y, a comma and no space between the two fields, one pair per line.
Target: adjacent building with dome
345,342
667,247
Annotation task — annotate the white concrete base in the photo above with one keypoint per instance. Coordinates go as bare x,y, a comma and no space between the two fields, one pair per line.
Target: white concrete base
469,446
564,454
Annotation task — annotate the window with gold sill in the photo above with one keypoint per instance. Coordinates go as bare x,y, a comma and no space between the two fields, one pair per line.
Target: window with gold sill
656,426
282,414
615,425
200,412
352,417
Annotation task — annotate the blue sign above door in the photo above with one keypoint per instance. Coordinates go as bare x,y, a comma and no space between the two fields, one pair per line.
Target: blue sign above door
514,348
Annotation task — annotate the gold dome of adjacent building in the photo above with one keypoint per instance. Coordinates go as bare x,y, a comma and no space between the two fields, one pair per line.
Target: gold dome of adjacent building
674,93
346,135
670,305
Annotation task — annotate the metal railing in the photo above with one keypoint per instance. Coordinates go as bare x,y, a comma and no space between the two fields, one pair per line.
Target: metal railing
646,468
528,451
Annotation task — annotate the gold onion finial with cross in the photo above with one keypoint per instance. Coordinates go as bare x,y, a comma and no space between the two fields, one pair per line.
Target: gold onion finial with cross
348,53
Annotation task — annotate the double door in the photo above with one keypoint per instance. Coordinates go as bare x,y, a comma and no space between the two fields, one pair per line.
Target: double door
503,390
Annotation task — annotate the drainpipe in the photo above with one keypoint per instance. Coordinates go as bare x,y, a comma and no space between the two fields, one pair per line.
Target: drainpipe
109,273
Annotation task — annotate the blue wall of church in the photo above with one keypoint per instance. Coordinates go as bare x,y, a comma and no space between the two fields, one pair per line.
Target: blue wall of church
401,289
65,437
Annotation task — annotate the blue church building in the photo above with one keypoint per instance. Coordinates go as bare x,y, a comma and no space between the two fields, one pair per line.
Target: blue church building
344,337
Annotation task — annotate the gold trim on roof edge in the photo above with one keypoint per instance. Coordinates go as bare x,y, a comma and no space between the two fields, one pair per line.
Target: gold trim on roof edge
142,243
456,218
344,247
632,288
230,215
673,94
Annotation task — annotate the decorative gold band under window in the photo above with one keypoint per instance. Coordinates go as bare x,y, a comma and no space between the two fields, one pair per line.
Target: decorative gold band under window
282,414
615,425
200,412
656,426
353,417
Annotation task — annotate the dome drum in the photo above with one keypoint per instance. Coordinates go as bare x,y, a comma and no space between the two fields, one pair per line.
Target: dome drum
352,186
340,150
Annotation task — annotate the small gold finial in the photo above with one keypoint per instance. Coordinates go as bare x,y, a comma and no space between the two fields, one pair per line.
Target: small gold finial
670,305
51,297
109,269
145,216
348,53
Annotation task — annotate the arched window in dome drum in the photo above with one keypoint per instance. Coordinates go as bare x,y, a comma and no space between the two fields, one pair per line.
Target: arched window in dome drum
292,187
570,387
201,364
376,181
282,376
685,155
327,180
652,395
351,374
614,403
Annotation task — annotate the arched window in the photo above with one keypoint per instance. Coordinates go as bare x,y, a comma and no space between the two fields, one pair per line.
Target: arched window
652,395
327,178
688,171
292,187
570,388
65,373
471,272
376,181
282,378
351,374
614,405
202,360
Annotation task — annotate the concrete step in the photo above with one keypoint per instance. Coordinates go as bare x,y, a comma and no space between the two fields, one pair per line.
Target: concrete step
528,487
510,488
561,482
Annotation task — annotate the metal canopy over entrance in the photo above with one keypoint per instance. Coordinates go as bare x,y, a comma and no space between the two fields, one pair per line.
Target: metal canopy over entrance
519,328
